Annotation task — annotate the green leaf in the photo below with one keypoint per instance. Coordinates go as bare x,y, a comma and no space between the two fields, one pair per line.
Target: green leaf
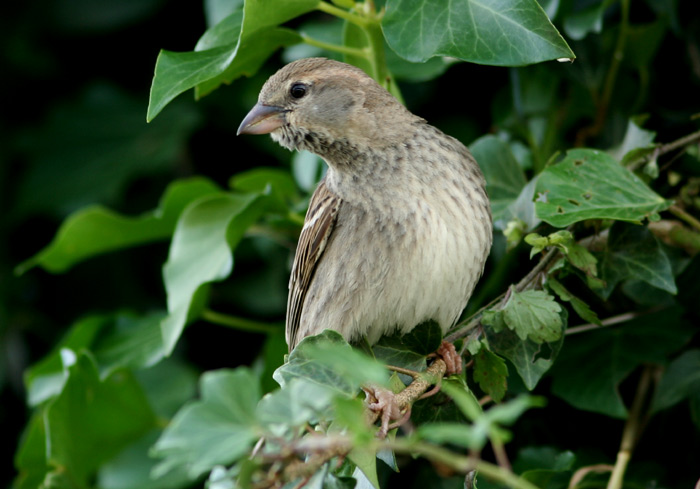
680,381
579,306
299,402
545,466
633,252
30,458
589,184
218,429
91,420
328,360
501,33
95,230
505,178
590,370
200,252
237,46
637,142
531,360
490,372
277,183
533,314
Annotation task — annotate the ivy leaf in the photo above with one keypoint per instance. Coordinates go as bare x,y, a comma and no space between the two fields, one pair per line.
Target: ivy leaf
95,230
590,370
328,360
579,306
681,380
533,314
200,252
236,46
633,252
589,184
505,178
503,33
531,360
78,437
218,429
490,372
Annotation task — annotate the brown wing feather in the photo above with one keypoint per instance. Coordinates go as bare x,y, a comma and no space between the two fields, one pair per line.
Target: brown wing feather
318,225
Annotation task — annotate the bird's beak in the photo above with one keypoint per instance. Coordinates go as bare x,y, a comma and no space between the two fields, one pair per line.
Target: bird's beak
262,119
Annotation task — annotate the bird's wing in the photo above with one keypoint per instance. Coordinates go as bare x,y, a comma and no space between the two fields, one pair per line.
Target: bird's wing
318,226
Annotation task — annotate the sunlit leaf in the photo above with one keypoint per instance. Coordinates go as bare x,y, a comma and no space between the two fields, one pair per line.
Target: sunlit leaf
503,32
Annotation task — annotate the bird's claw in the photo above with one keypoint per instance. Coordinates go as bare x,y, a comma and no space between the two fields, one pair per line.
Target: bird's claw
452,359
383,401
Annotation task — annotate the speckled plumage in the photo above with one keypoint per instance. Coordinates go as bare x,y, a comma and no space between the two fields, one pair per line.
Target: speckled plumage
398,231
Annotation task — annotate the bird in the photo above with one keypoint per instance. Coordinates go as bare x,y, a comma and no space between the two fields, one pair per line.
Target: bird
398,231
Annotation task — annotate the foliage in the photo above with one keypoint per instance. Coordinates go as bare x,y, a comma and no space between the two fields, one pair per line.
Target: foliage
596,223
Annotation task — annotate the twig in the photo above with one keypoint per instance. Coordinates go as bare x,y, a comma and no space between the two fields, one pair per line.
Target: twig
236,322
632,430
584,471
621,318
667,148
683,215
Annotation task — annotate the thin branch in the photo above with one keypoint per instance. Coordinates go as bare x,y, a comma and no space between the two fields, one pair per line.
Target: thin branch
667,148
632,430
621,318
683,215
343,14
338,48
236,322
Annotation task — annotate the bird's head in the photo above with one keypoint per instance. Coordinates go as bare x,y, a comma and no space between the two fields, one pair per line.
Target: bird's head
319,104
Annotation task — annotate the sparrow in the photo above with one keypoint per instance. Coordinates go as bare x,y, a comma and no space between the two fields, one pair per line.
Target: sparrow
399,229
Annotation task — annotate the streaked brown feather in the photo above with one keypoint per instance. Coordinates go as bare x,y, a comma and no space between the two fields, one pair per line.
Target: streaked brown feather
319,222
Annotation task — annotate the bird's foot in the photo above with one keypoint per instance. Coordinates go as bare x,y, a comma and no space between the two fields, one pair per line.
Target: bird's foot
451,358
383,402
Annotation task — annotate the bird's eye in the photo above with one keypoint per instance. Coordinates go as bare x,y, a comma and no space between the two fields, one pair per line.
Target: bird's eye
298,90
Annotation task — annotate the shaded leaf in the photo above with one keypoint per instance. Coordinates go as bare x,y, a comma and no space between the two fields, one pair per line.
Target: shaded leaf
505,178
590,369
531,360
589,184
503,33
215,430
680,381
78,438
490,372
633,252
579,306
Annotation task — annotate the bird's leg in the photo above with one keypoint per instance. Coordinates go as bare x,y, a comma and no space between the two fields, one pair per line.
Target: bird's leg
452,359
383,402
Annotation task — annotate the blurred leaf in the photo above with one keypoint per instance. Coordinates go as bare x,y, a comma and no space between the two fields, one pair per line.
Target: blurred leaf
299,402
490,372
30,458
46,378
168,385
591,368
90,149
503,33
200,252
307,169
637,143
545,467
217,10
236,46
457,434
328,360
270,181
215,430
589,184
131,469
680,381
504,177
579,24
78,438
634,252
95,230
